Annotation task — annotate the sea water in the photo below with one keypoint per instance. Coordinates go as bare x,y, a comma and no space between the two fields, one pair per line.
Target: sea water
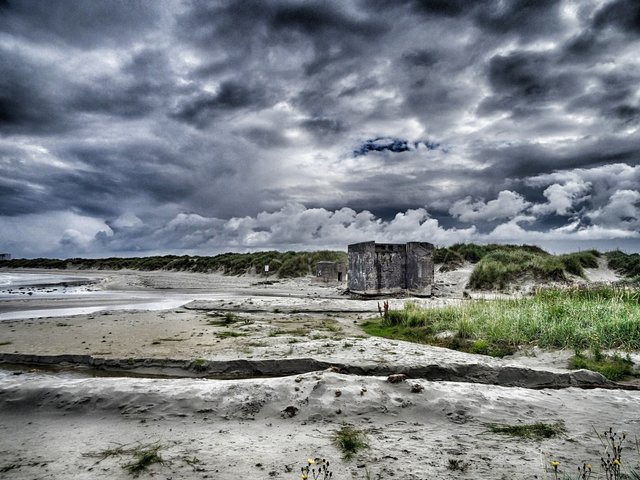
56,295
16,280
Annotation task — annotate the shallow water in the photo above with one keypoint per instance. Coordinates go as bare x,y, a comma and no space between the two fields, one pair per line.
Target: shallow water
34,295
14,280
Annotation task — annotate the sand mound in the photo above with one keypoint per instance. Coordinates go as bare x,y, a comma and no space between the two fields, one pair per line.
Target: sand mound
268,427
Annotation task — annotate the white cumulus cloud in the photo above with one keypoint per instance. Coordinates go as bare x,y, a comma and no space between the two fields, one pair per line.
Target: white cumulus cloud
507,205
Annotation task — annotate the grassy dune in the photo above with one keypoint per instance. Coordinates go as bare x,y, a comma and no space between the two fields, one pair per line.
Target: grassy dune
281,264
497,267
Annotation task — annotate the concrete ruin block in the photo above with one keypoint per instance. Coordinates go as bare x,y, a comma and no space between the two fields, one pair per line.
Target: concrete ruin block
363,276
386,268
420,266
330,272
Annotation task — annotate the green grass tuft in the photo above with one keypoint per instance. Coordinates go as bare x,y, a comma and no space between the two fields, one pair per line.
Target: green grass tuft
349,440
198,365
614,367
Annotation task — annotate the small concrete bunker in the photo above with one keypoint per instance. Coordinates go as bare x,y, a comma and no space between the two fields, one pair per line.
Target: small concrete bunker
391,268
330,272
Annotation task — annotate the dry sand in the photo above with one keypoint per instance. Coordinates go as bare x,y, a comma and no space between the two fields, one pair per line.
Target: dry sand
254,426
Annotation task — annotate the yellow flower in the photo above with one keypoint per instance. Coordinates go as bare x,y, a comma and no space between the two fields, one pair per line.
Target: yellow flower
555,463
588,465
304,476
617,462
311,461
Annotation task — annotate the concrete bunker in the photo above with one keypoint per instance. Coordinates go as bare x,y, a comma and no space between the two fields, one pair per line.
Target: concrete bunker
331,272
391,268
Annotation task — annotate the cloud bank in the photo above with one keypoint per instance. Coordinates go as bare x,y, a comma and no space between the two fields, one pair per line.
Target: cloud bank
143,127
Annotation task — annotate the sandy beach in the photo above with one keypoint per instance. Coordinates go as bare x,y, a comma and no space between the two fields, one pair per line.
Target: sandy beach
247,376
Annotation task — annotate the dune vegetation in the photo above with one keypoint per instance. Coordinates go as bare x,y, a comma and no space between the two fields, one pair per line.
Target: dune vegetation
595,318
496,267
281,264
499,267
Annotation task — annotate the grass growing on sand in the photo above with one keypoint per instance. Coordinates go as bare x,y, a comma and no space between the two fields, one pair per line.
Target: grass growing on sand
534,431
198,365
600,318
497,266
142,456
614,367
349,441
230,334
625,264
497,270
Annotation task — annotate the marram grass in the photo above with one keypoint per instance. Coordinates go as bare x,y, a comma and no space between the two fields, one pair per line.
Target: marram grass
577,318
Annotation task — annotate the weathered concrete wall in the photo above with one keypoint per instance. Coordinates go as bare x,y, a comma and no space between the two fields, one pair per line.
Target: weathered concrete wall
363,275
419,276
390,262
379,269
329,272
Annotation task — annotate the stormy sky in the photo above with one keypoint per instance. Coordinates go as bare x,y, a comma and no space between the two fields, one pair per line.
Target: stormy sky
151,127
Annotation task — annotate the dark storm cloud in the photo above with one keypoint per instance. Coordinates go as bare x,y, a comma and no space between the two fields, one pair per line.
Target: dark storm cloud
526,18
265,137
139,126
318,34
530,159
76,22
276,21
322,126
29,103
422,58
149,174
524,82
437,8
615,98
622,14
202,108
140,86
